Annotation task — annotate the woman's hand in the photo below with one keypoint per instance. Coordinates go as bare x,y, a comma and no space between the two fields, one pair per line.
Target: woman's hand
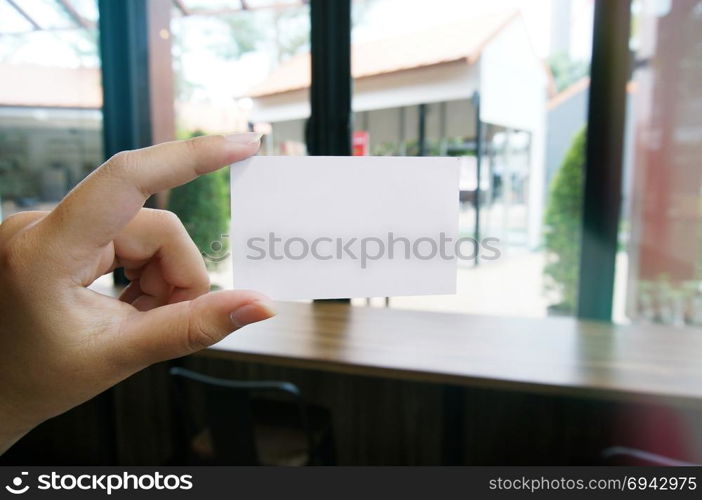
61,343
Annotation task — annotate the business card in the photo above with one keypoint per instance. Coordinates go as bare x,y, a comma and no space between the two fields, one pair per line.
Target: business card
317,227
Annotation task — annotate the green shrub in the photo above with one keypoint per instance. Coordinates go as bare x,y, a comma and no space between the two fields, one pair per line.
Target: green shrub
203,207
563,220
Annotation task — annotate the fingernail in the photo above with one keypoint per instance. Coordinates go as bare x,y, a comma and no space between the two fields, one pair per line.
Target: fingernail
252,312
245,138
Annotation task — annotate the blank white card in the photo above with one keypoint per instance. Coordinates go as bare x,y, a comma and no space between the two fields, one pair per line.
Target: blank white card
319,227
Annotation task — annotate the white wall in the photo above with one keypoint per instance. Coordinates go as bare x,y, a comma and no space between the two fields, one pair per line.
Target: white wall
513,87
292,105
513,91
284,131
59,145
443,82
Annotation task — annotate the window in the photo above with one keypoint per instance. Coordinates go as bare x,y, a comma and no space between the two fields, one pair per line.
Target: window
502,85
50,101
243,68
238,66
660,260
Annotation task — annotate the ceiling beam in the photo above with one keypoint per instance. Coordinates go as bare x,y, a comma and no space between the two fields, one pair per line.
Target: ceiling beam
22,13
75,15
47,30
245,7
180,5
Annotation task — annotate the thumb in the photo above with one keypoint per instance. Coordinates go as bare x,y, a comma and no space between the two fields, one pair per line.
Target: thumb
179,329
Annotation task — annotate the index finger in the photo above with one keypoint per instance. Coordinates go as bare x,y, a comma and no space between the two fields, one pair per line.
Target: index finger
97,209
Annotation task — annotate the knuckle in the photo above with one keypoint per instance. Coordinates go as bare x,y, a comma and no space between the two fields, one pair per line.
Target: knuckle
13,219
169,219
194,145
9,226
20,220
14,249
119,161
199,334
125,165
12,257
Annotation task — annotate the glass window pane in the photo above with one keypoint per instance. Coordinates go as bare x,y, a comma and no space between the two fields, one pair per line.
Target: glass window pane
50,109
12,21
46,13
660,262
87,9
524,65
236,70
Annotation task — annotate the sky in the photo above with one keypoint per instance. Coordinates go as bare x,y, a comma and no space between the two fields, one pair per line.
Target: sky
218,80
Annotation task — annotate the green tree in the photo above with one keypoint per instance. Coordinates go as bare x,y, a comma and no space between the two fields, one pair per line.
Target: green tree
567,71
563,225
203,207
244,33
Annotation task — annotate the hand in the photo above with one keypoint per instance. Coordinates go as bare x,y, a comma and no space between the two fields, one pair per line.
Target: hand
62,343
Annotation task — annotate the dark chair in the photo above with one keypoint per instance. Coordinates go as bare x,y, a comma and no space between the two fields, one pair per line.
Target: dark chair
241,428
622,455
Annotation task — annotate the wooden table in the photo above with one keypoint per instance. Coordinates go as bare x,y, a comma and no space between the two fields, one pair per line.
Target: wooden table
558,356
555,355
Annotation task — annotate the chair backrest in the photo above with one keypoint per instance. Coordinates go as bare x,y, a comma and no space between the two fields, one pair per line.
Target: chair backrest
228,412
622,455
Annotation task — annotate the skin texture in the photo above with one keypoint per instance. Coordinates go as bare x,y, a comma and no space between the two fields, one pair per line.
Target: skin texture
61,343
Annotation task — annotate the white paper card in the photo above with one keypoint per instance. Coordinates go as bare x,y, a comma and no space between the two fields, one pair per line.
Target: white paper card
317,227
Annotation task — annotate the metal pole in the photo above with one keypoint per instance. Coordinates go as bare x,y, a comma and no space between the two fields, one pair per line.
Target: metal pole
604,154
478,173
422,132
125,80
328,130
329,125
126,122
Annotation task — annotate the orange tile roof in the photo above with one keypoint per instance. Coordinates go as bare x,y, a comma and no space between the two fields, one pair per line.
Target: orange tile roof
579,86
44,86
452,42
568,92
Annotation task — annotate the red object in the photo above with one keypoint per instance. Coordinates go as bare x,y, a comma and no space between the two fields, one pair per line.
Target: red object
360,143
656,429
667,175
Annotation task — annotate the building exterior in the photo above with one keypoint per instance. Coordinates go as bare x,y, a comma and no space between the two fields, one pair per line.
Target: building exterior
423,86
567,114
51,130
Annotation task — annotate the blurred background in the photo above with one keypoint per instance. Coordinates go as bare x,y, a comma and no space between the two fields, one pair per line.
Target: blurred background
226,67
